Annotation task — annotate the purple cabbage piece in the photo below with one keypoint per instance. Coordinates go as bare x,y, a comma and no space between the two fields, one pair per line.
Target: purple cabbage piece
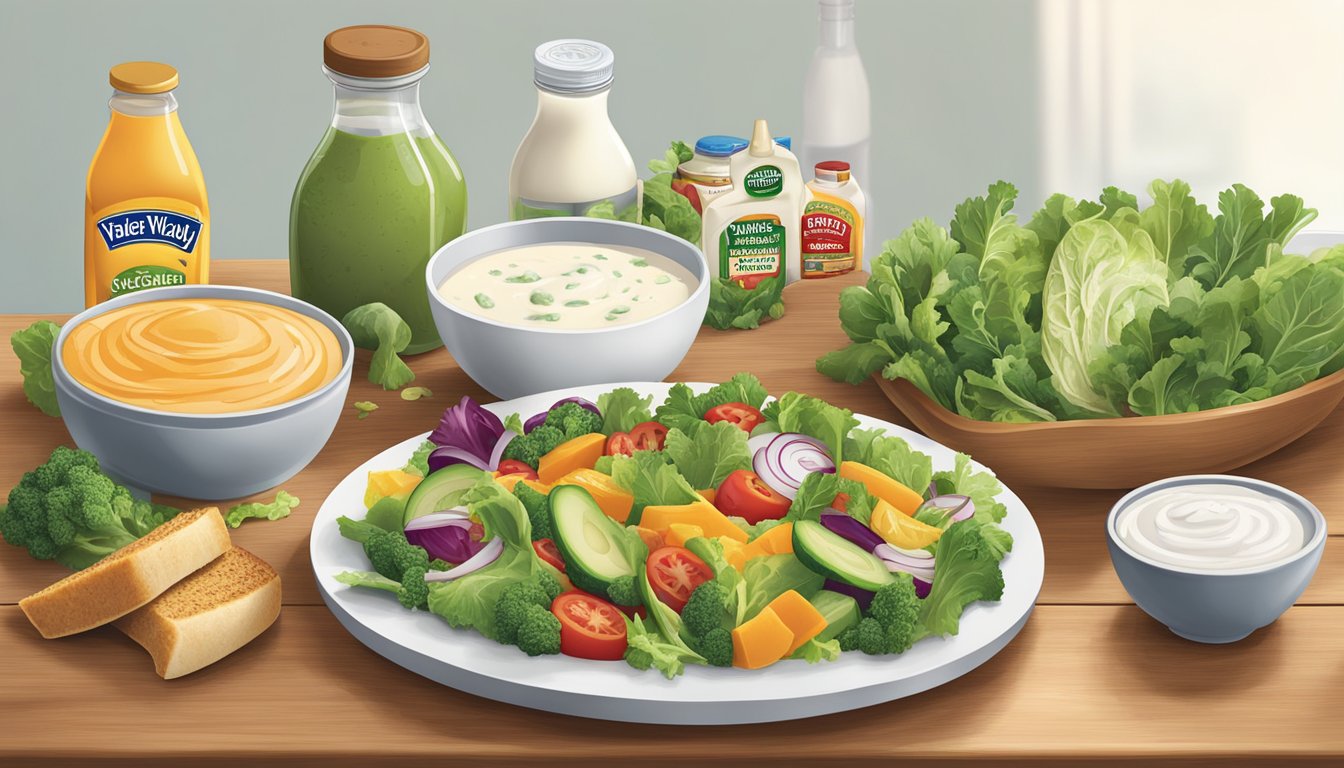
469,427
450,543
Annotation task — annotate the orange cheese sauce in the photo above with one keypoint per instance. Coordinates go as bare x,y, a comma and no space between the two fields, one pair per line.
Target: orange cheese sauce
202,355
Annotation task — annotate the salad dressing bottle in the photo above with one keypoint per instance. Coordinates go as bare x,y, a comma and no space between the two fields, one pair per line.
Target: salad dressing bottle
752,231
572,161
146,218
833,222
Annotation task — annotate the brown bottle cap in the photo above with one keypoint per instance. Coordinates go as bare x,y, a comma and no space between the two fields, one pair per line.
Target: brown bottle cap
143,77
375,50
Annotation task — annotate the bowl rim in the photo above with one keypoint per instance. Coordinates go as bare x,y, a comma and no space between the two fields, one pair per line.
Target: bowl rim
965,424
701,288
1314,543
204,290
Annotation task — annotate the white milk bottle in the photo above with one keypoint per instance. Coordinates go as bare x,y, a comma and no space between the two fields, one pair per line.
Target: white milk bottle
572,162
836,113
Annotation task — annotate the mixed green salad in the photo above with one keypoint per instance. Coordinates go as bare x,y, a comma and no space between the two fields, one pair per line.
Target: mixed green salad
716,528
1098,309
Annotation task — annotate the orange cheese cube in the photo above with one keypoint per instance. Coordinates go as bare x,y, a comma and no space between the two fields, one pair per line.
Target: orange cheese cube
799,615
761,641
580,453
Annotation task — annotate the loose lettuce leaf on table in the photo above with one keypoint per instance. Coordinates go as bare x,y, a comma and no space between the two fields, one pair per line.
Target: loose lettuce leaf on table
378,327
33,346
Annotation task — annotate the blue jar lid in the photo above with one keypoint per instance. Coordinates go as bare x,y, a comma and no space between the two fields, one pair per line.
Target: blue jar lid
785,142
720,146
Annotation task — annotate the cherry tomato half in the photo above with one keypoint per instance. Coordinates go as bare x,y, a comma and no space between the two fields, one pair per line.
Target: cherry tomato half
648,436
590,627
744,494
688,191
743,416
550,553
516,467
620,444
674,573
751,281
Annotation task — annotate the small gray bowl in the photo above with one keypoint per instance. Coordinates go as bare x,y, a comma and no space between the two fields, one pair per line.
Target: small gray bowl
202,456
512,361
1217,606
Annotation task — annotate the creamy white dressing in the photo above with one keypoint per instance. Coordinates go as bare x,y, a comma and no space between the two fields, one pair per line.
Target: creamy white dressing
1211,526
568,285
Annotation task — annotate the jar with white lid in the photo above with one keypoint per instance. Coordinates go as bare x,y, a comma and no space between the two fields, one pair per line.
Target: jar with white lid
572,161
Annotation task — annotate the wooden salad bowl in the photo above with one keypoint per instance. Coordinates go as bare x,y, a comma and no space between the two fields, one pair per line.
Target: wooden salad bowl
1124,452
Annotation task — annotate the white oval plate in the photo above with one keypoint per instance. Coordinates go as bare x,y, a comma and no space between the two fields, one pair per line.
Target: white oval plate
462,659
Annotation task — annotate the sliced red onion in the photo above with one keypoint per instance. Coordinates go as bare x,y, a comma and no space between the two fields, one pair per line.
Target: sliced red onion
535,421
788,458
922,588
757,442
861,596
447,455
916,562
456,516
498,451
487,555
952,506
850,529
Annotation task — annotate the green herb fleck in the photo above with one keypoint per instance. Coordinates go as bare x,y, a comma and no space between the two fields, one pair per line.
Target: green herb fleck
495,273
484,301
576,303
527,277
582,270
639,261
572,286
541,298
663,279
620,309
365,408
549,317
415,393
599,257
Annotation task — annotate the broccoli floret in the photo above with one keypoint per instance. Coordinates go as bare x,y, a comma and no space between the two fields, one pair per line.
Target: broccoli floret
539,632
514,606
623,591
68,510
870,637
391,555
716,646
549,584
538,506
531,447
439,564
414,592
896,608
705,611
573,420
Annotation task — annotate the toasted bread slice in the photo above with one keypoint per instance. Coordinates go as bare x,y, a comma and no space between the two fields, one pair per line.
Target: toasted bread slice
129,577
208,615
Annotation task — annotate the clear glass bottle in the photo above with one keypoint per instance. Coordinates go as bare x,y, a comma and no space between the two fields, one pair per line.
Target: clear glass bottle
381,192
572,161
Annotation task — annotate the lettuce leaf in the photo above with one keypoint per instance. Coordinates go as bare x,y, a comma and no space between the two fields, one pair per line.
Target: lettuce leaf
708,453
814,417
33,346
623,408
649,477
283,504
966,570
378,327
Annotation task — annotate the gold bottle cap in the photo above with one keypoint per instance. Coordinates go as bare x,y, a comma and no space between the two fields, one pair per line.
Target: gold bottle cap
143,77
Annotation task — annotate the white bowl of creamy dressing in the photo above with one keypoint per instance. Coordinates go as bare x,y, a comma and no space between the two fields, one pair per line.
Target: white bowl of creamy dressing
1215,557
541,304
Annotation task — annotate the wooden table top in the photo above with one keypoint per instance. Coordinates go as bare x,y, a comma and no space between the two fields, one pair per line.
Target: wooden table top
1089,678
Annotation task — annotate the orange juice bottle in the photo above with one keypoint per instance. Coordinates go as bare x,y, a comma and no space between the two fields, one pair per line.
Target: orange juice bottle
146,219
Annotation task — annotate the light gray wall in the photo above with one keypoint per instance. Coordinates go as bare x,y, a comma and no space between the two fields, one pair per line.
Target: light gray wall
952,85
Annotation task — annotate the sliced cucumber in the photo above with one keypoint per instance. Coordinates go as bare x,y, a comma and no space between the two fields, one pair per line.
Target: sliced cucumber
840,611
588,540
442,490
838,558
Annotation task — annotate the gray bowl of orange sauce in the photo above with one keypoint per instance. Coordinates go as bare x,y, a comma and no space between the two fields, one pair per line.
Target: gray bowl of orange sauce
202,391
